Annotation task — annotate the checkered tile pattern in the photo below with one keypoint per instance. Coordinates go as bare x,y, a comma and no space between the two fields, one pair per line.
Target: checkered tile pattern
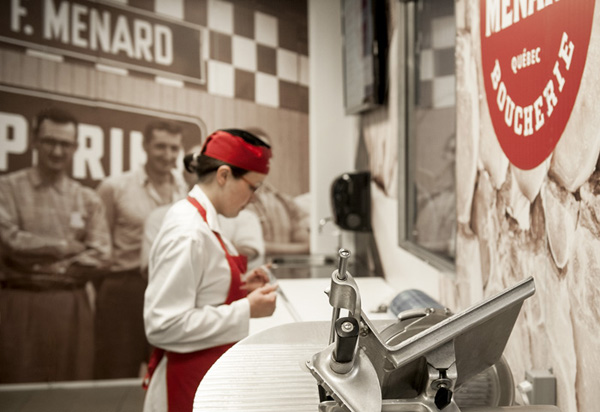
436,60
246,59
255,50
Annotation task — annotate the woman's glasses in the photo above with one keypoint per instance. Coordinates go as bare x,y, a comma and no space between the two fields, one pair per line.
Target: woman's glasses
252,187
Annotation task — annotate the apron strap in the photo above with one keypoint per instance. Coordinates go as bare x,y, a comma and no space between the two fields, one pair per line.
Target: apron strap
240,262
155,358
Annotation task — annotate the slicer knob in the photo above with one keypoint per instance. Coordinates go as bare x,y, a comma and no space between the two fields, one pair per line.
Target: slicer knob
443,397
346,330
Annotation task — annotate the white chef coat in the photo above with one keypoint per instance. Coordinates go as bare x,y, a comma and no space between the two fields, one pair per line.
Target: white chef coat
245,230
188,281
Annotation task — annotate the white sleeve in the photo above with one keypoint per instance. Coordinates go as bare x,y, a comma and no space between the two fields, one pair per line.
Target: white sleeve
173,319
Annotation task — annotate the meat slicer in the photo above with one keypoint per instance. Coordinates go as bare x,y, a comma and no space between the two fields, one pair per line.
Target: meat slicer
427,361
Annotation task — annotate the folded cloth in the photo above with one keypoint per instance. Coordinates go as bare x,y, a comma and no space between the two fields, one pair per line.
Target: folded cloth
412,299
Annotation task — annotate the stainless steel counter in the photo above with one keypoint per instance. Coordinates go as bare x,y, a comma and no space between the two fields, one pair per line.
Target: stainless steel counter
265,371
312,266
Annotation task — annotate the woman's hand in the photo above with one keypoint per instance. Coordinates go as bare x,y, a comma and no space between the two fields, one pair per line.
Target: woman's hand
256,278
263,301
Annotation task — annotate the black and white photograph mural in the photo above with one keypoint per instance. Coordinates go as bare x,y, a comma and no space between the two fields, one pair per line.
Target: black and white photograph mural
99,102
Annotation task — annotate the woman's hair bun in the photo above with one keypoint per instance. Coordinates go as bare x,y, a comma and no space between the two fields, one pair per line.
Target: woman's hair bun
190,161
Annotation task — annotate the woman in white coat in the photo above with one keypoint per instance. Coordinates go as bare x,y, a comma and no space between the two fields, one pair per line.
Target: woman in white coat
197,303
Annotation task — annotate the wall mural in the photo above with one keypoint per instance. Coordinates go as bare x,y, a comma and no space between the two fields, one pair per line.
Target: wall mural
107,33
527,199
193,66
531,86
109,135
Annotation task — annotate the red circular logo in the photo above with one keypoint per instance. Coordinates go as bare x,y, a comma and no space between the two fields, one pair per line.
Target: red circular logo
533,53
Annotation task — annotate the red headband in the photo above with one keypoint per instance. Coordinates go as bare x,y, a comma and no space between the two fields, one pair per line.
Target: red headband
234,150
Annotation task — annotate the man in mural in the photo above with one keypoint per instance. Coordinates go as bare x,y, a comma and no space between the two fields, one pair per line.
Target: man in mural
121,346
53,237
285,225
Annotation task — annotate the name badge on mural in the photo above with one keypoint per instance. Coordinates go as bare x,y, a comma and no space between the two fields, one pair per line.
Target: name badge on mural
533,54
77,221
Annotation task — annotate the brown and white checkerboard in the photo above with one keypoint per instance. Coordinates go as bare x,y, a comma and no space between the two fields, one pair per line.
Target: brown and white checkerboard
247,61
254,50
436,60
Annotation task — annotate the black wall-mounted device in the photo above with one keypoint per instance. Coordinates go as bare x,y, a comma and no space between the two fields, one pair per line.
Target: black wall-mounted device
351,201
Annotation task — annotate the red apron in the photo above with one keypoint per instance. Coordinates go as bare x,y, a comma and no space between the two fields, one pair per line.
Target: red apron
186,370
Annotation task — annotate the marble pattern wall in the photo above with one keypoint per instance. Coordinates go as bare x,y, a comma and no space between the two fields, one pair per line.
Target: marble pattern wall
543,223
513,224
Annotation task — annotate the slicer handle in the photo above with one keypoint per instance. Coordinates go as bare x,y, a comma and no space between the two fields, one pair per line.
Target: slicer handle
346,330
343,263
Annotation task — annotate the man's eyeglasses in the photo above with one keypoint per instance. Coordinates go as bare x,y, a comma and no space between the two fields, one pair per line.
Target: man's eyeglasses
252,187
51,143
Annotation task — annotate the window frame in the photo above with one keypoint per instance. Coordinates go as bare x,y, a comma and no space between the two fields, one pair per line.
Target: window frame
407,90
